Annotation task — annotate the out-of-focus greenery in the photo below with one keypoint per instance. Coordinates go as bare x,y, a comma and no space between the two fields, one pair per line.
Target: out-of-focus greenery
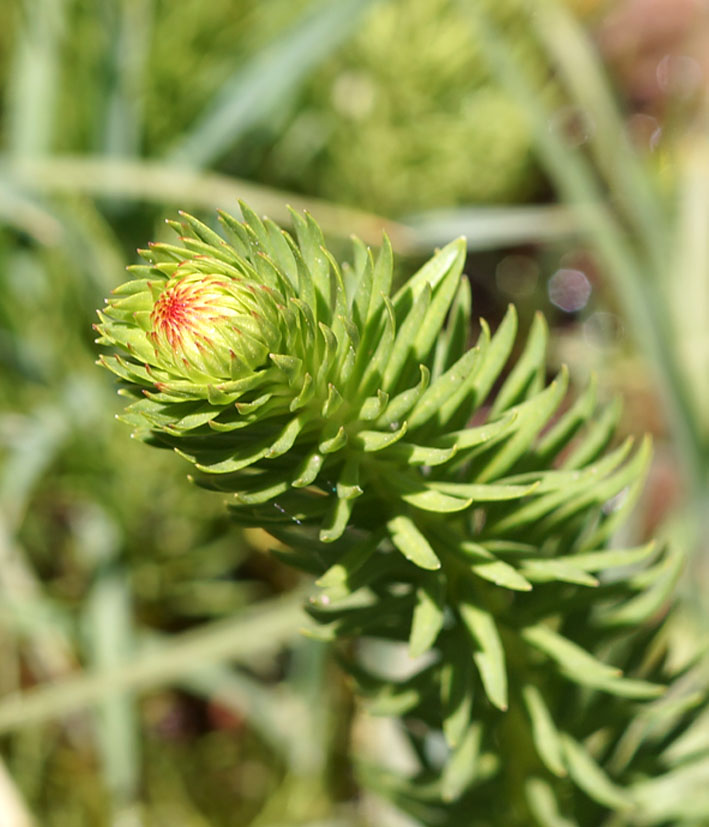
108,557
174,57
408,117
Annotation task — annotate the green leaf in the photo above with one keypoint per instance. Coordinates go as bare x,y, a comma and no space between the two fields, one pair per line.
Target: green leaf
372,441
544,806
558,488
350,562
470,550
308,470
419,454
403,402
375,367
557,570
327,356
643,607
563,430
528,372
287,437
348,487
591,778
331,444
451,344
362,276
373,406
461,767
280,252
404,344
429,500
473,436
575,661
484,493
381,279
428,615
630,688
394,700
411,543
502,574
443,293
544,732
332,403
306,393
246,408
442,388
457,410
595,437
490,659
609,523
456,688
260,495
336,520
603,491
238,460
611,558
433,272
531,417
496,354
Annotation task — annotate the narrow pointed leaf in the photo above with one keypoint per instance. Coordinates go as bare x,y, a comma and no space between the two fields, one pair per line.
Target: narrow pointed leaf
462,765
502,574
490,659
336,520
532,416
528,368
591,778
496,355
456,694
544,806
442,388
574,660
428,616
412,543
372,441
544,731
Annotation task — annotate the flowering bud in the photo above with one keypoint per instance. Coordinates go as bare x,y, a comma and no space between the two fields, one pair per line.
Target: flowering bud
213,327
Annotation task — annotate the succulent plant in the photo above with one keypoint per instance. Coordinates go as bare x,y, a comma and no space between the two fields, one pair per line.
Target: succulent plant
357,427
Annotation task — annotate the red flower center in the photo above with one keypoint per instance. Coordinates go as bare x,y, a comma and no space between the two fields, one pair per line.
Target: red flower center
186,309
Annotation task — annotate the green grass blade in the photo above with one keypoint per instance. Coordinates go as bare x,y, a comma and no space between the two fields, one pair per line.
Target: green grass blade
34,77
488,228
162,183
264,628
123,85
108,628
267,82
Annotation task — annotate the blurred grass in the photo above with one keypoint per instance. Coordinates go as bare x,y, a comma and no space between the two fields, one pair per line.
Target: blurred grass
258,89
408,116
153,672
484,227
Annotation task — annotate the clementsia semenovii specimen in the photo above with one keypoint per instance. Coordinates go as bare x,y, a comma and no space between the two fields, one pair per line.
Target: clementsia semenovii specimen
337,416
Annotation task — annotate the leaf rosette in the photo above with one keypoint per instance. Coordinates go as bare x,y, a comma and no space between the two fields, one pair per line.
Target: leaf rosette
360,428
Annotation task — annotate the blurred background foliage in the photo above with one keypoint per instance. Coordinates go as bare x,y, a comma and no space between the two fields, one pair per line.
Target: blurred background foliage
167,680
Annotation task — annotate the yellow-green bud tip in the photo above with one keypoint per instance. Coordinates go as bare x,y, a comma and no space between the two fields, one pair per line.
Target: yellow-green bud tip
212,327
